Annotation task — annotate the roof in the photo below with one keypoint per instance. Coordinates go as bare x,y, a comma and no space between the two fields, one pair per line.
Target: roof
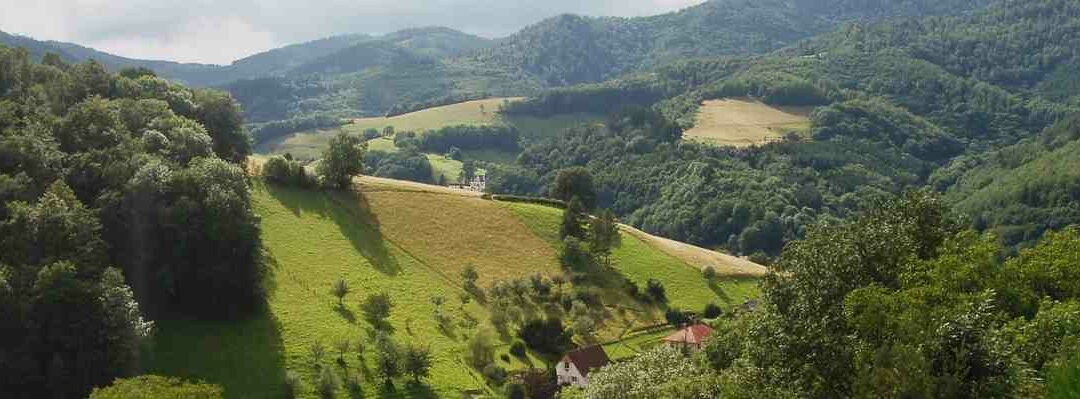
694,335
586,359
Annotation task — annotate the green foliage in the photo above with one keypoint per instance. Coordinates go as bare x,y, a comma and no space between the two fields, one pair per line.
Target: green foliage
642,377
377,308
340,289
481,349
574,218
574,183
342,160
285,171
469,138
407,164
546,336
416,362
152,386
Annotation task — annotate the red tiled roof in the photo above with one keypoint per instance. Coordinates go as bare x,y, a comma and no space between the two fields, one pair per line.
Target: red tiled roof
694,335
586,359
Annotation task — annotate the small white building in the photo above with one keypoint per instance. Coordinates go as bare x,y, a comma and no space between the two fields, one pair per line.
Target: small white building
574,368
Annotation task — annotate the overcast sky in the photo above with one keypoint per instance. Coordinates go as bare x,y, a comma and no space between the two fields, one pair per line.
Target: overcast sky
221,31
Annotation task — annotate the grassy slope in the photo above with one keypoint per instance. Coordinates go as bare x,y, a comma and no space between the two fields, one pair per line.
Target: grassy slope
410,241
639,261
741,122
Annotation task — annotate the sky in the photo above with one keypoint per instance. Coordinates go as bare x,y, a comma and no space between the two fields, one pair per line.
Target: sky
222,31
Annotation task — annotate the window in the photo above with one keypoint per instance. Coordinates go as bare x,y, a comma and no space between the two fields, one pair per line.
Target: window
566,366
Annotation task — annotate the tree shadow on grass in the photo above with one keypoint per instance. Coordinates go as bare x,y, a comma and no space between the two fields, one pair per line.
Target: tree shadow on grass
718,289
351,212
245,356
346,314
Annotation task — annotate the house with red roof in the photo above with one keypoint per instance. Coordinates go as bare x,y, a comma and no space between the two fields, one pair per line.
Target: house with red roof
574,368
692,337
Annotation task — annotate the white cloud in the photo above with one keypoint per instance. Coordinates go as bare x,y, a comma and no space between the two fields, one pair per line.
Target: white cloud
225,30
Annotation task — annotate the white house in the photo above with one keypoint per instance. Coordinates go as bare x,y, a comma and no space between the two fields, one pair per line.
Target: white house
574,368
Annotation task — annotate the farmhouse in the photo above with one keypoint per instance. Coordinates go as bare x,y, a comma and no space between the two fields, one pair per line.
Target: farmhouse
691,337
574,368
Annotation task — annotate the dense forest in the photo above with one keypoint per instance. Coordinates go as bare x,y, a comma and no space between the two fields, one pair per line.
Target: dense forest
120,195
900,105
897,302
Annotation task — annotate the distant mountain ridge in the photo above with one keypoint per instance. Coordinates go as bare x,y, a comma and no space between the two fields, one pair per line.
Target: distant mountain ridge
361,75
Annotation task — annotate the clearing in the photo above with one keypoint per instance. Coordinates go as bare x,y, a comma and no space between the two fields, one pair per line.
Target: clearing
410,241
742,122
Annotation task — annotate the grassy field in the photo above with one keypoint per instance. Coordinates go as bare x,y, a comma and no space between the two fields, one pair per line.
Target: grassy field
745,122
639,261
308,145
407,240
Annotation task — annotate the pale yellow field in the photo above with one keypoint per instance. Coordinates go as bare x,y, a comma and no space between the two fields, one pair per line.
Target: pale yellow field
744,122
724,264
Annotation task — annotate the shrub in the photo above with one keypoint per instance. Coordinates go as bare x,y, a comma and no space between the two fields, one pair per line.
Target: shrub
317,352
518,349
292,384
712,311
377,308
328,382
516,391
709,272
656,290
481,349
495,373
676,317
283,170
152,386
545,336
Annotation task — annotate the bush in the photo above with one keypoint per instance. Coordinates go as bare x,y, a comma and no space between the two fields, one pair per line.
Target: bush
494,373
516,391
554,203
656,291
292,384
377,308
152,386
481,349
546,336
283,170
518,349
328,382
712,311
677,317
709,273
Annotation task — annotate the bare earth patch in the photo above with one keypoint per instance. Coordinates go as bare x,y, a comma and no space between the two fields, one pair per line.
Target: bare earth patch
744,122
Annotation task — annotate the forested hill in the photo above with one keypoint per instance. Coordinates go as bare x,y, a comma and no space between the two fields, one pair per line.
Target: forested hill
572,49
964,105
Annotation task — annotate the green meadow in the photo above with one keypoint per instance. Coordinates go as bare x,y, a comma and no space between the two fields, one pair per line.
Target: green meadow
411,245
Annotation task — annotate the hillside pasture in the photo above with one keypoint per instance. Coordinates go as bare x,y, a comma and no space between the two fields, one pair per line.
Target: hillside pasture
744,122
410,241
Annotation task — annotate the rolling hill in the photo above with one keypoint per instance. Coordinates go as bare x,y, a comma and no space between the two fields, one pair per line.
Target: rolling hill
411,241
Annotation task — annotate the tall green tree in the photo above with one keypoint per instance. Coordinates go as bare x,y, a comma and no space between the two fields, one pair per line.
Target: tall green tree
573,183
342,160
573,221
603,234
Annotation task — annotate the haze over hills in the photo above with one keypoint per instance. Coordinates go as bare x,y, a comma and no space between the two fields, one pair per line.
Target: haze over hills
412,65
